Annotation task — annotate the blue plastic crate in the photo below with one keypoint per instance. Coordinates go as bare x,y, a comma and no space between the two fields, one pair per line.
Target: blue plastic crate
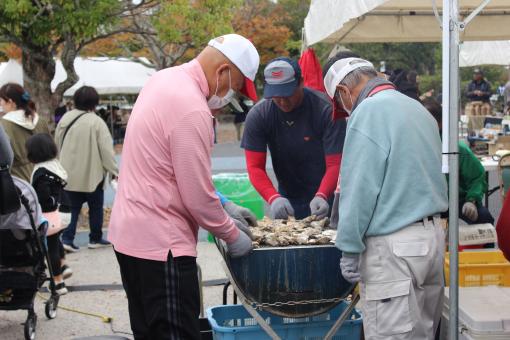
232,322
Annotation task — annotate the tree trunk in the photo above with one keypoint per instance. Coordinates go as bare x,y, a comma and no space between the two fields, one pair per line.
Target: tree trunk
38,72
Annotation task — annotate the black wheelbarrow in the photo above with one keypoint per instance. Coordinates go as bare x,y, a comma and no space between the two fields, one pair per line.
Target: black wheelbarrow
293,282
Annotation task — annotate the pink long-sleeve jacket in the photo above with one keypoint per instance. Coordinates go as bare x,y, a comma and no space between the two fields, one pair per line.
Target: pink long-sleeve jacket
165,189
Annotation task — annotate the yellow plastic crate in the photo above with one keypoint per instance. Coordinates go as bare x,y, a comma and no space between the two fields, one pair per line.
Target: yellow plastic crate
480,268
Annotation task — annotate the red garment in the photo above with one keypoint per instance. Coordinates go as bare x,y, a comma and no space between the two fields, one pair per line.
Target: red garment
503,228
311,70
330,179
249,90
256,164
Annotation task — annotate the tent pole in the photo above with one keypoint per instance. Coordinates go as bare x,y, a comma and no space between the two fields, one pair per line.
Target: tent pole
111,119
450,117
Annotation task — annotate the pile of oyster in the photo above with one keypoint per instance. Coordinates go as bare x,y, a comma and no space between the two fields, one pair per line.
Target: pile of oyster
291,232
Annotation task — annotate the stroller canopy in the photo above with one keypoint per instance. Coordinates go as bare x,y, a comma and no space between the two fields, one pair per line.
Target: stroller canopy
20,219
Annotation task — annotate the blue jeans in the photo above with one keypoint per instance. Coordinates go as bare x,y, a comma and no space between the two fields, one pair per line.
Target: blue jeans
95,202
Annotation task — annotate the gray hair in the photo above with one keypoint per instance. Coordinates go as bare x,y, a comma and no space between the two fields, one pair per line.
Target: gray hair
355,77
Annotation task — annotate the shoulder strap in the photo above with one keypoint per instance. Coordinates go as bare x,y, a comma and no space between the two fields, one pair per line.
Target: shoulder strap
68,127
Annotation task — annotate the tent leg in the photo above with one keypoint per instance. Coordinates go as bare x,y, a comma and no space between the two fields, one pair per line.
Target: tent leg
450,117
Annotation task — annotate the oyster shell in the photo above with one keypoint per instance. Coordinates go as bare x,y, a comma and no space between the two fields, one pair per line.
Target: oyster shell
281,233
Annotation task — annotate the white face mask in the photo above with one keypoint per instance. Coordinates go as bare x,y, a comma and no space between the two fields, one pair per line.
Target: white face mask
216,102
343,105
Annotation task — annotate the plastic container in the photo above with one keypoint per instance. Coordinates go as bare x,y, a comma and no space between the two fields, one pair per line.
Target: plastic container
483,314
233,322
237,188
480,268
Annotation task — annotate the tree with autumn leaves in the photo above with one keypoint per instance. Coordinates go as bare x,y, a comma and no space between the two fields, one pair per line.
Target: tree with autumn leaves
158,33
45,29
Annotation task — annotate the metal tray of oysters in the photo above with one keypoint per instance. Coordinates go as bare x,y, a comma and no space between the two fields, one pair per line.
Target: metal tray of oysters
293,270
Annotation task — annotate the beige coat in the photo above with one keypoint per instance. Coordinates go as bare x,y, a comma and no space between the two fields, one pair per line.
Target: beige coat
87,151
19,129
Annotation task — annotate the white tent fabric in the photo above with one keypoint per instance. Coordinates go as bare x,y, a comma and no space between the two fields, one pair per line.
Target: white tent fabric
474,53
11,72
358,21
107,76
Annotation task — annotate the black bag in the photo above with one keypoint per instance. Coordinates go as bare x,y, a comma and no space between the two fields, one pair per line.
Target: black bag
9,198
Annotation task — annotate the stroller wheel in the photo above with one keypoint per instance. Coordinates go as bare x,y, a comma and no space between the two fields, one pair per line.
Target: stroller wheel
51,307
30,326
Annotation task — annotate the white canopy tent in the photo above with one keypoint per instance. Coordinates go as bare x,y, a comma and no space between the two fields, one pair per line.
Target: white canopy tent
358,21
11,72
107,76
474,53
362,21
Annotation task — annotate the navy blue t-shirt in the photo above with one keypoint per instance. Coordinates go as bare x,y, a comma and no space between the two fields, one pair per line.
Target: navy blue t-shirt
298,141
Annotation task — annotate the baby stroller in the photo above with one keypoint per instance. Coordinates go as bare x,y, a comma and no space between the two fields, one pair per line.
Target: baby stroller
23,252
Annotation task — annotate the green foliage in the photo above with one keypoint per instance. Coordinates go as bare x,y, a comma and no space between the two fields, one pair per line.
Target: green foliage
296,11
431,82
24,20
187,22
496,75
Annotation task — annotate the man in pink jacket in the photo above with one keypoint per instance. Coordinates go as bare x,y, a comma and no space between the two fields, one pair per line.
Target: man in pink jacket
165,189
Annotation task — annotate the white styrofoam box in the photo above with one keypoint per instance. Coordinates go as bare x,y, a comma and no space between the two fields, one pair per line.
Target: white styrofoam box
484,313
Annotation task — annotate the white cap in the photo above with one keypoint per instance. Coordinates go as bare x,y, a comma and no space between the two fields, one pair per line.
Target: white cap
339,70
240,51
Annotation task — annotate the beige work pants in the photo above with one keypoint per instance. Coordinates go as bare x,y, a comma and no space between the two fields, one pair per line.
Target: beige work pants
402,283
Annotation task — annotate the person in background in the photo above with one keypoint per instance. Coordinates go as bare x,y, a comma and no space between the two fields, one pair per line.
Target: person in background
506,97
20,121
479,92
61,110
472,180
503,228
392,193
295,123
126,113
86,152
103,114
165,189
48,180
406,82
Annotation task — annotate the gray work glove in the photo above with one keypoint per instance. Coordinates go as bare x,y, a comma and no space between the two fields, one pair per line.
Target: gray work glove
333,220
243,227
241,214
281,209
241,246
470,210
349,265
319,207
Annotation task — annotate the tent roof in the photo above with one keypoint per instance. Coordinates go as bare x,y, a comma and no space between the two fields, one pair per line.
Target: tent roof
473,53
107,76
358,21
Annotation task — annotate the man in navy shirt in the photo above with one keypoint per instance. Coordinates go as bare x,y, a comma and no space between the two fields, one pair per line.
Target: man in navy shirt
295,123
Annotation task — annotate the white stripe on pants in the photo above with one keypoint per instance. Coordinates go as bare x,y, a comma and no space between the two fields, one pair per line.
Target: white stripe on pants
402,283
